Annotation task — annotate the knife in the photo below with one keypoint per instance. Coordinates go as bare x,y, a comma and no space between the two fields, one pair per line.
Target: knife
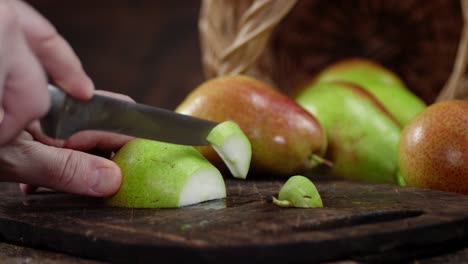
68,116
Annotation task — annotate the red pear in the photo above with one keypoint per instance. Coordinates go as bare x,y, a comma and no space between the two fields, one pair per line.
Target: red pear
433,150
286,139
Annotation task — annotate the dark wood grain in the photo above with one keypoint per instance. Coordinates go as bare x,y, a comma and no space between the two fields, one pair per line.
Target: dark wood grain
358,219
15,254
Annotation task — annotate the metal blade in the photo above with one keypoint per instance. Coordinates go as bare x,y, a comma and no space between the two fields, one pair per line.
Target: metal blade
68,116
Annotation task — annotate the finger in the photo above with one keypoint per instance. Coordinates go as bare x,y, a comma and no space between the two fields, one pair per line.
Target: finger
7,25
123,97
87,140
2,112
27,188
25,96
55,54
97,141
36,132
59,169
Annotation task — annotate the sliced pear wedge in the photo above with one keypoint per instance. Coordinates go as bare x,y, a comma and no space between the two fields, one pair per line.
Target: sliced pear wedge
233,146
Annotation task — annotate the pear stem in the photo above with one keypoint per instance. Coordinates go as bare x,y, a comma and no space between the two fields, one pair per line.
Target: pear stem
281,203
400,179
321,160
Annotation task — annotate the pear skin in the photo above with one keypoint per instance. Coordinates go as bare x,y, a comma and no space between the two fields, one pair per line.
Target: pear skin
298,191
433,151
384,84
285,138
233,147
163,175
363,136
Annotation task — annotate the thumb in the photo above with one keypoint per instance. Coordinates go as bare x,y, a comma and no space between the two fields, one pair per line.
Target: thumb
62,169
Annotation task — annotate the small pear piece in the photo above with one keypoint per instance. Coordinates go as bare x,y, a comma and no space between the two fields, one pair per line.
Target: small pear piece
233,146
163,175
298,191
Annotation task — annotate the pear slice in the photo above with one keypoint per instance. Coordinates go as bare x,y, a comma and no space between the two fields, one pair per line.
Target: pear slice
298,191
163,175
233,146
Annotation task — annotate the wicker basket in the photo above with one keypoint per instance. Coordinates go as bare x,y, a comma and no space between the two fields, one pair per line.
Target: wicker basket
286,42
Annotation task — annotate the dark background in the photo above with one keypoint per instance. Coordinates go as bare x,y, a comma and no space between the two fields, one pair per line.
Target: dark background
150,50
146,49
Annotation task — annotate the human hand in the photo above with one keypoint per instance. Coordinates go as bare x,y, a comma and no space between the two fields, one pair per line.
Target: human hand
36,160
30,47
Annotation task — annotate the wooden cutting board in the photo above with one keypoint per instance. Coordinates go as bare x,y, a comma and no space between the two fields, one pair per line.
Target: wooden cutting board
358,220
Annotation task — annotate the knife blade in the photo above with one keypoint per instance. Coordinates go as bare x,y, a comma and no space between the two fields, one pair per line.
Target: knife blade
68,116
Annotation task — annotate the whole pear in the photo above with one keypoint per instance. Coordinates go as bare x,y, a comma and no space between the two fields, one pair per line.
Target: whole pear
433,151
285,138
163,175
380,81
362,135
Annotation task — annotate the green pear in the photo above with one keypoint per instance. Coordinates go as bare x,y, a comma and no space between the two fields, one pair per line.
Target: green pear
433,150
233,146
363,136
164,175
384,84
285,138
298,191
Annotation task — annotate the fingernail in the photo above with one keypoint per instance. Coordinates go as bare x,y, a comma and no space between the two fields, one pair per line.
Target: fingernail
106,181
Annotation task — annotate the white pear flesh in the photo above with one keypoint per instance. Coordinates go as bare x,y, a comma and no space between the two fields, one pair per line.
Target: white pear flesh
164,175
203,185
233,146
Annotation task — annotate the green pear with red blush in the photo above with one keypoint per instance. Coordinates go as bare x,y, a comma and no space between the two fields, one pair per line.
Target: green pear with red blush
285,138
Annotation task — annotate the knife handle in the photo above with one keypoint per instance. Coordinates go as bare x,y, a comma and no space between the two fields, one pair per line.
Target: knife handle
50,121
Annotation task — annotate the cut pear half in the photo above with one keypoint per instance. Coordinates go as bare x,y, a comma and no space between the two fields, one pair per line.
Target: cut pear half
298,191
163,175
233,146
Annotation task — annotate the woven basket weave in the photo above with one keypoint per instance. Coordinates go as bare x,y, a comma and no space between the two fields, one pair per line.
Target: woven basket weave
286,42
